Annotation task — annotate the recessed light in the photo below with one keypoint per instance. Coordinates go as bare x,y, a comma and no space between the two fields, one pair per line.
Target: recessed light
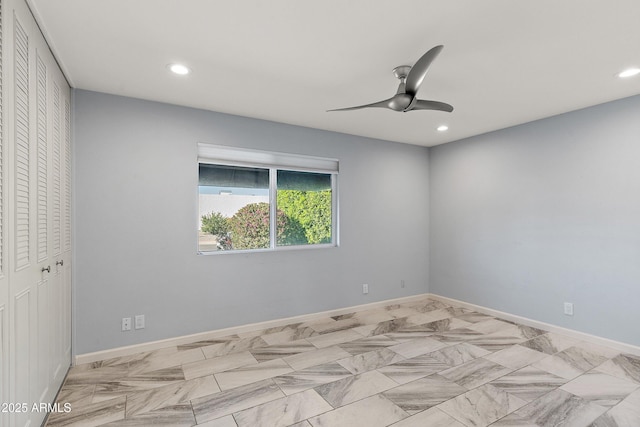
630,72
442,128
179,69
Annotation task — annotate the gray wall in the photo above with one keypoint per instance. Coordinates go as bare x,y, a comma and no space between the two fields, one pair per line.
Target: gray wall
529,217
136,220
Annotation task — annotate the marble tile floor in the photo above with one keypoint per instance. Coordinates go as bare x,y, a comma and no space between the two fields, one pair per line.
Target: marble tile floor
423,363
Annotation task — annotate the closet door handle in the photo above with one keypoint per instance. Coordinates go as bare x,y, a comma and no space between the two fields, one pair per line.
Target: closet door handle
47,269
60,263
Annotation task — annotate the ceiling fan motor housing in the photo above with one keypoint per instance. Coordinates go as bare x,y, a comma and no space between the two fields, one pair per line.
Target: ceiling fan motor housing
401,102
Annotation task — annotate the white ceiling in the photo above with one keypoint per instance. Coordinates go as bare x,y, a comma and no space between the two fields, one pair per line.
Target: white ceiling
504,62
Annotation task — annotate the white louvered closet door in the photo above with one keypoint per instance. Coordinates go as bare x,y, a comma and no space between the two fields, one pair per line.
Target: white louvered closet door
4,276
35,214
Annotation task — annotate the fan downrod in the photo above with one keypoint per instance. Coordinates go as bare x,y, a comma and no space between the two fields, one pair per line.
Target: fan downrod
401,72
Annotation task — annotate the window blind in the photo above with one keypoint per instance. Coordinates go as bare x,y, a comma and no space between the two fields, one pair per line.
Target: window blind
221,155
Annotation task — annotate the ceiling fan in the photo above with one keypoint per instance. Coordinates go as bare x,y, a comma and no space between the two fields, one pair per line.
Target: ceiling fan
410,78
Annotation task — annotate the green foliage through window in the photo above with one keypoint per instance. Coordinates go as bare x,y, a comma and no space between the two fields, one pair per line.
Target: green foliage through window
303,217
215,223
250,227
310,211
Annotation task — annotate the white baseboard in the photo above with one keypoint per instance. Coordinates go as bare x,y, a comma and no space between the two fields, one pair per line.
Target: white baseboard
186,339
623,347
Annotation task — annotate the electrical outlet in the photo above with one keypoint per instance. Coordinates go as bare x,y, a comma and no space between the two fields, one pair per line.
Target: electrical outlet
139,321
402,283
568,308
126,324
365,288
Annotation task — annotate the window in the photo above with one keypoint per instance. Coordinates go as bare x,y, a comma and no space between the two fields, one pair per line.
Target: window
257,200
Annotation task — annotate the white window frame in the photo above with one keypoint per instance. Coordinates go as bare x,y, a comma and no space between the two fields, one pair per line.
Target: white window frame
274,161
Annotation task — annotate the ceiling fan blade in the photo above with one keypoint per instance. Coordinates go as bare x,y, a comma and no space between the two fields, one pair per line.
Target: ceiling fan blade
422,104
381,104
419,70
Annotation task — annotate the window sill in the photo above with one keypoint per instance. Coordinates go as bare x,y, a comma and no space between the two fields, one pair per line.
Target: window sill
270,250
